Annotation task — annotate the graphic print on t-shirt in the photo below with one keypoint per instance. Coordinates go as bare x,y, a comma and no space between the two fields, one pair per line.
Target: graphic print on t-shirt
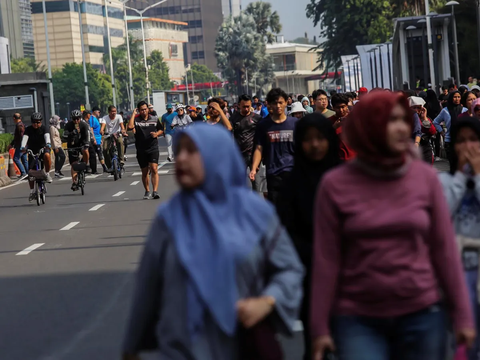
280,136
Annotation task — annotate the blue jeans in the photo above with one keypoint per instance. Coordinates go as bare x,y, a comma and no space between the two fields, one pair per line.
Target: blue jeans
417,336
21,161
471,277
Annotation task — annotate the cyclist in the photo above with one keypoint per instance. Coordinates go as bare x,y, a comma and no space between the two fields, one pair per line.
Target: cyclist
36,137
77,136
113,124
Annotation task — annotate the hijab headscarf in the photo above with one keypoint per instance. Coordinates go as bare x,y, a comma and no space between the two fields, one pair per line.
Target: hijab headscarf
471,122
433,105
214,227
55,121
453,110
366,129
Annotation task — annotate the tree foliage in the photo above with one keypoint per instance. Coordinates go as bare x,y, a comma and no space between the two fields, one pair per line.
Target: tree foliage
201,74
24,65
241,47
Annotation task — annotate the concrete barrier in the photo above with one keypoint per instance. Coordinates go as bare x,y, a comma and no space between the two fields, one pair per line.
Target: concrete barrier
4,179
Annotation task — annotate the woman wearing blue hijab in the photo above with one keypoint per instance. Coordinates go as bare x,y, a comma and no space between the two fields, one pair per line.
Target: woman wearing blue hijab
202,274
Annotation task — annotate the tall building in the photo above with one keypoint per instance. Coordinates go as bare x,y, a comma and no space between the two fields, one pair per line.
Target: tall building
27,27
167,36
204,17
11,27
64,31
4,56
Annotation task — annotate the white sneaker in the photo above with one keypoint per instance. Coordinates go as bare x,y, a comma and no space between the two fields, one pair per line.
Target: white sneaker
49,178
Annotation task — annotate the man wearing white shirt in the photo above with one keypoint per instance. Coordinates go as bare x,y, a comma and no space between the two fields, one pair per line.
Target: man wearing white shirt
112,124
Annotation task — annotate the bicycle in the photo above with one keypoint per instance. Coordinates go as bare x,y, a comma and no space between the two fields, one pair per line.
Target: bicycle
117,167
39,176
80,168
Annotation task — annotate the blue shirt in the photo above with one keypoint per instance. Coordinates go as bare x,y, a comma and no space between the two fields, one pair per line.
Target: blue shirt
167,122
95,125
445,117
277,144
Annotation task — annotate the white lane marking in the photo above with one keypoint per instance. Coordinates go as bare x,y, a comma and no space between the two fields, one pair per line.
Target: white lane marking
96,207
160,172
65,179
29,249
298,326
134,183
69,226
162,164
163,153
92,176
118,193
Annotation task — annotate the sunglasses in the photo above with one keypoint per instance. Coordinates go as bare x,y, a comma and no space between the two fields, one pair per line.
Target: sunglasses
76,118
36,122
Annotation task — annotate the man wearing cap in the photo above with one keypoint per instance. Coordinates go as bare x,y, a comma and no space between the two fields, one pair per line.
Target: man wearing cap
199,116
167,125
151,112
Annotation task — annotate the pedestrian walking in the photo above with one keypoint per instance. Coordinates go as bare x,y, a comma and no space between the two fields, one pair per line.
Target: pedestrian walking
460,188
340,105
385,254
56,142
167,119
274,144
467,100
298,111
449,115
306,105
203,288
19,158
416,103
433,109
316,152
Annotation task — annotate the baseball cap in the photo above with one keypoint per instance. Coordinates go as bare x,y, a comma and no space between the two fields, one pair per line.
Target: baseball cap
169,106
150,106
363,90
192,108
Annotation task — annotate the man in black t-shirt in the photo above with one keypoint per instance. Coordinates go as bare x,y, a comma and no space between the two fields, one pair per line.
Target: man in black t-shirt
35,138
147,130
244,123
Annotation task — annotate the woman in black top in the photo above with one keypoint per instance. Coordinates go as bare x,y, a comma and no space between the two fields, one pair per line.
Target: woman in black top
316,152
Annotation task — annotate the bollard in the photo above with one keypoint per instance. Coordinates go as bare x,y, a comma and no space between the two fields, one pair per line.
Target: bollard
4,179
11,173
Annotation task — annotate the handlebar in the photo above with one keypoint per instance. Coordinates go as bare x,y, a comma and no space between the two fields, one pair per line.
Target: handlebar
42,151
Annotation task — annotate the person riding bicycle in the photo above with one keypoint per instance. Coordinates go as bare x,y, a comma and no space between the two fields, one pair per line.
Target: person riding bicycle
35,138
77,138
112,124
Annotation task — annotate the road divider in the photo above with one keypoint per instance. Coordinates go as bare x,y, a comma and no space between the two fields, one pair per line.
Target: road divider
29,249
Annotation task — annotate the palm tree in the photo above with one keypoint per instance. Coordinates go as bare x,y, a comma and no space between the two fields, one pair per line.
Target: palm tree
268,22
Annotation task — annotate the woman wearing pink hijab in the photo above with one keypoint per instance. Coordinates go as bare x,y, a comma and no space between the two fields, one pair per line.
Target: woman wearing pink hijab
385,254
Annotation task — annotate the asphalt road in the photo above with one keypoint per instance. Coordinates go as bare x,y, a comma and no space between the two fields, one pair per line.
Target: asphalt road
68,299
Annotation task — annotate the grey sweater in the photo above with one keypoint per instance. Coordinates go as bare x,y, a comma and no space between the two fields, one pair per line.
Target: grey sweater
160,303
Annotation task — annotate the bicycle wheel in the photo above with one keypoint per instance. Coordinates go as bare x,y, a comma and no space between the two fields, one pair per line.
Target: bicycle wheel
81,182
115,169
37,192
42,193
120,171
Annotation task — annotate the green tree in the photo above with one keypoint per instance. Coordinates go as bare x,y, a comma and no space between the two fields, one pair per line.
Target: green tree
267,22
201,74
68,86
24,65
348,23
158,73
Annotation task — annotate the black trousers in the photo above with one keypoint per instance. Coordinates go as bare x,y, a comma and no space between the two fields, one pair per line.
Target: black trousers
59,159
94,150
274,185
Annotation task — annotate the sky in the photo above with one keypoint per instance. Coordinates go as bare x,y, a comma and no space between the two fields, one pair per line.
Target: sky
292,17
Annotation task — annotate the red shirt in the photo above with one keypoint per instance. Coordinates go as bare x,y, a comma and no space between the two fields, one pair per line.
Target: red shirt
345,152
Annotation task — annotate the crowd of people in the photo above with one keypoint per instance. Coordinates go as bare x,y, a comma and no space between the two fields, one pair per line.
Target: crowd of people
360,237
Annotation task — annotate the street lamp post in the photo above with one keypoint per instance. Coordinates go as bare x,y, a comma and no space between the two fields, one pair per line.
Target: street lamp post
141,12
430,47
85,79
132,96
455,41
49,63
381,64
109,39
